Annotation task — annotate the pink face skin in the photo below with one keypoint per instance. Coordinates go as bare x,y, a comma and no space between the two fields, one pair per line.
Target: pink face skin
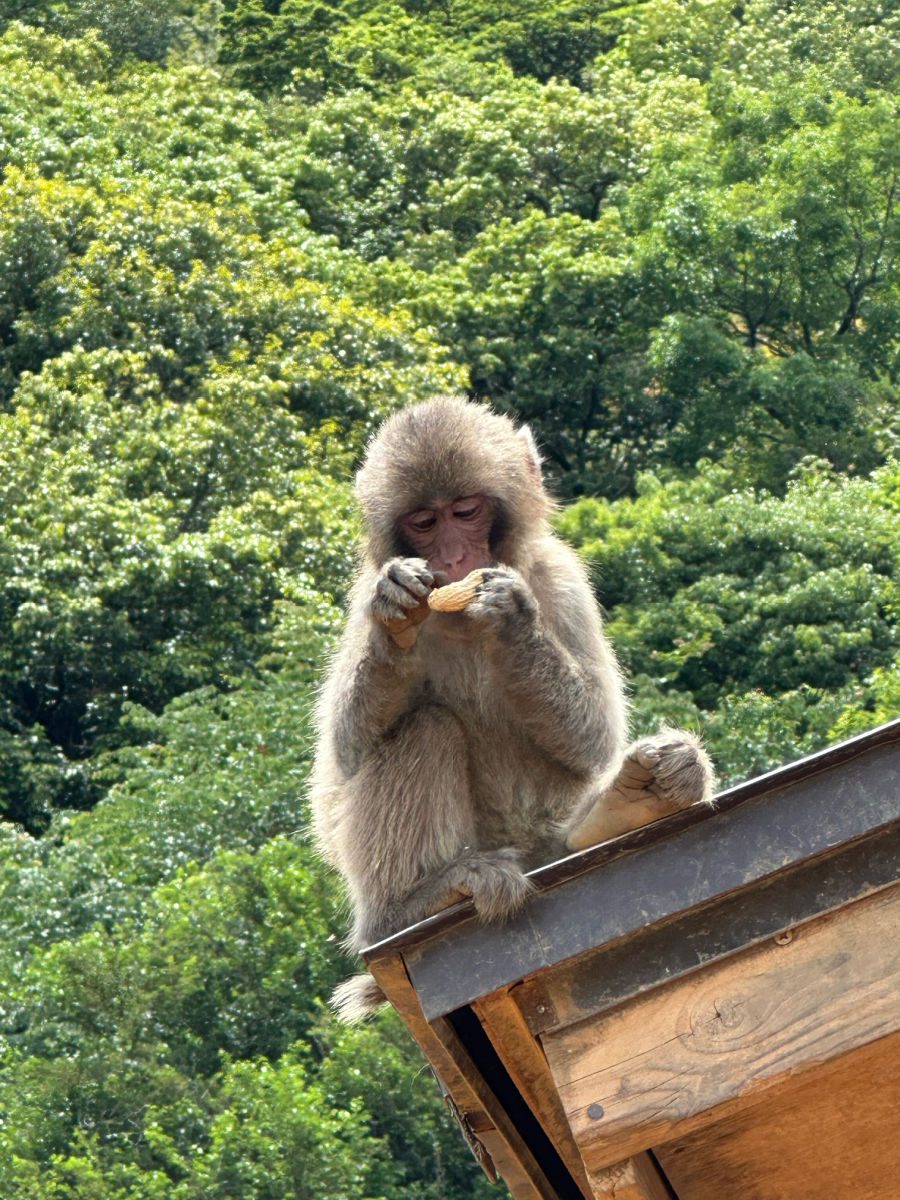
454,537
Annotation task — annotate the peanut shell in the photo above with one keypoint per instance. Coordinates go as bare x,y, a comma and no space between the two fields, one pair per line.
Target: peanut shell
456,596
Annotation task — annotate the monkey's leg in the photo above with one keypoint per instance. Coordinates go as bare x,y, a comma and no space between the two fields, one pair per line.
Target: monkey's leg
657,776
409,831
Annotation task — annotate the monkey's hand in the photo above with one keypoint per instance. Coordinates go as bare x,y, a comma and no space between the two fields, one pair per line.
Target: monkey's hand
504,602
403,585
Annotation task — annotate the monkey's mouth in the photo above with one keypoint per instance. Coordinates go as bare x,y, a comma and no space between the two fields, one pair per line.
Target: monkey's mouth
457,574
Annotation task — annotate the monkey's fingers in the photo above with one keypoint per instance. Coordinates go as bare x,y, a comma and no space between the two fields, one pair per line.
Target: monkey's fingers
405,638
412,574
404,630
392,601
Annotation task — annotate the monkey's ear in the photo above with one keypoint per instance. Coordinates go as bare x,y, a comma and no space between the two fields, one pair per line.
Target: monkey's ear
532,454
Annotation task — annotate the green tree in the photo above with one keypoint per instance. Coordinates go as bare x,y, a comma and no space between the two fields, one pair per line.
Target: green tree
232,238
746,610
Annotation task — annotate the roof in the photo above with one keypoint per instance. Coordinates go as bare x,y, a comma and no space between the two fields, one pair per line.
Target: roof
777,823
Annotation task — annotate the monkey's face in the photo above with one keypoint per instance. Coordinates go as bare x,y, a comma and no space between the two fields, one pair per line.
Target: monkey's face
454,536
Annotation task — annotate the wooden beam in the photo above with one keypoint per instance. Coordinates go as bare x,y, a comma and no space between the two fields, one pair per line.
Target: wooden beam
637,1178
828,1132
521,1150
527,1065
833,760
468,1040
390,973
615,973
697,1050
484,1119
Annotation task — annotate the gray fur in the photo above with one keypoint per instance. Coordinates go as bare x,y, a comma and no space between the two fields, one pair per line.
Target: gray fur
450,768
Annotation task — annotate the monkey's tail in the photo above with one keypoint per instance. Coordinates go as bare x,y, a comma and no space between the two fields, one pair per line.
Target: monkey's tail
356,998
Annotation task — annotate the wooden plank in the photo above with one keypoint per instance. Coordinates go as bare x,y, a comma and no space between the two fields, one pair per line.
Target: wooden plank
390,973
465,1036
524,1161
491,1149
614,974
694,1051
483,1117
637,1178
833,1131
527,1065
731,850
512,1171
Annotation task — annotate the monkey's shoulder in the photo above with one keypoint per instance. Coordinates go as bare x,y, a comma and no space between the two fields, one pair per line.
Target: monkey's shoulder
554,569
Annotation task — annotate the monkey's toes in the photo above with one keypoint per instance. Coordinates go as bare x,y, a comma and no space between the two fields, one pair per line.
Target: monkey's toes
638,768
682,773
453,894
499,885
658,776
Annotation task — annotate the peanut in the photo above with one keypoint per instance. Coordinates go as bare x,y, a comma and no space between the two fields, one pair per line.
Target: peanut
456,596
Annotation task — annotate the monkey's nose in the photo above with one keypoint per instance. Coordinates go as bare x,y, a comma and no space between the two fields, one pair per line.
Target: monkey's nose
450,556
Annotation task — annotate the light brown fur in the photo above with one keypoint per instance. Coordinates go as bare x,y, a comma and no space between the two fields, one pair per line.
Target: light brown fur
449,768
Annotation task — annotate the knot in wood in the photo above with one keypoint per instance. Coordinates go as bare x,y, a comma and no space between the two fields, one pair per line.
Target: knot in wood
715,1021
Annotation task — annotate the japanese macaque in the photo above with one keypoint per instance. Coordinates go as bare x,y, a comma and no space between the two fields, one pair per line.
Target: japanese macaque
492,739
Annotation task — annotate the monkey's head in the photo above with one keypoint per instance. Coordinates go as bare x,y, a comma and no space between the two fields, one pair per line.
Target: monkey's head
452,482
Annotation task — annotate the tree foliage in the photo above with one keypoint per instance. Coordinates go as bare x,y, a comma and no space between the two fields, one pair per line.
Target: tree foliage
735,611
233,236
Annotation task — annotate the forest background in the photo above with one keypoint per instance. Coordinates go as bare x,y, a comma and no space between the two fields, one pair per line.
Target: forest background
233,236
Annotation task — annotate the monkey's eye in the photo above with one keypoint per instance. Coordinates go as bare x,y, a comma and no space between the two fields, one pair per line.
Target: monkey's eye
466,508
423,524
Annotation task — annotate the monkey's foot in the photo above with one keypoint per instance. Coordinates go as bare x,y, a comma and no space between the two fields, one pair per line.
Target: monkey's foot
493,880
658,776
499,886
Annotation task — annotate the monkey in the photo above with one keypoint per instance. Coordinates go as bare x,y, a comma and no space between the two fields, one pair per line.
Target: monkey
498,740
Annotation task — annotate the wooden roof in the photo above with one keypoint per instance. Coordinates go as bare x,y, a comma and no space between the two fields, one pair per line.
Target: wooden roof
523,1022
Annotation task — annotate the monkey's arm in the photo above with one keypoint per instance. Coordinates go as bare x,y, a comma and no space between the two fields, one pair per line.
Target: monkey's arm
575,712
372,680
558,671
368,691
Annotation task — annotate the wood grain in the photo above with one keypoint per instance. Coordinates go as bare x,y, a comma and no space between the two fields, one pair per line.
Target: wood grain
636,1178
474,1122
661,1066
390,974
527,1065
478,1108
863,766
725,852
828,1133
616,973
517,1165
